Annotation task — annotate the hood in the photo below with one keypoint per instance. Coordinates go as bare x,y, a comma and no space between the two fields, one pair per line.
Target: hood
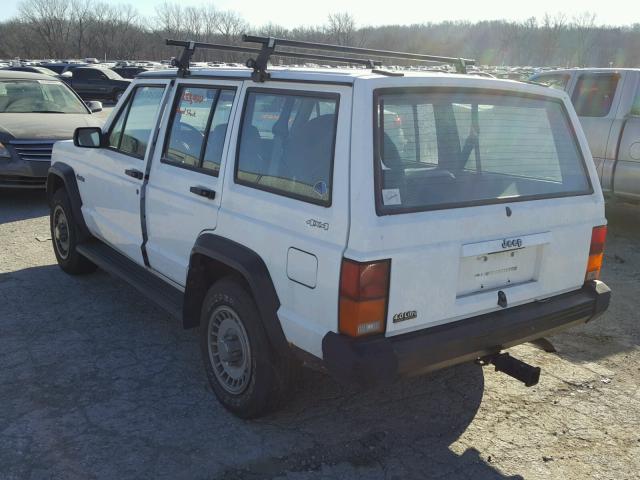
45,126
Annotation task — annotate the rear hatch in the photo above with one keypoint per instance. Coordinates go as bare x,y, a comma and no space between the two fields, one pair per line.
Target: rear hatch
483,201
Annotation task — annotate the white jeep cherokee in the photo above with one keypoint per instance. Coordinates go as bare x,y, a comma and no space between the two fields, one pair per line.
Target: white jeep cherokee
376,223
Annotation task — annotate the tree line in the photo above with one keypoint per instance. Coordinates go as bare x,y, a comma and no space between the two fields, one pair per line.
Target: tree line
59,29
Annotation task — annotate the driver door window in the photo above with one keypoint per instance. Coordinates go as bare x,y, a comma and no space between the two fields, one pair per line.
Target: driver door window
130,134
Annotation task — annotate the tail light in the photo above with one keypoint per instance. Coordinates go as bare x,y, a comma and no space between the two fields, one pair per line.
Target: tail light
596,252
364,291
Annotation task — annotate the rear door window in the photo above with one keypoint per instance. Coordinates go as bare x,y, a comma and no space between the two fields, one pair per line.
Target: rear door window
594,93
287,143
198,128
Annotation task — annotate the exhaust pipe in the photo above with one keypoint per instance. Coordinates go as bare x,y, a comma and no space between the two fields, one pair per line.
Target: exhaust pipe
516,368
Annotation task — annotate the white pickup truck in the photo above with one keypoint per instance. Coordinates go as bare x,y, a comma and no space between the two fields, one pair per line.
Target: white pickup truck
370,222
608,103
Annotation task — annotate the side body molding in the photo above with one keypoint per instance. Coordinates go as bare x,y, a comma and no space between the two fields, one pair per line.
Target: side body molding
214,257
61,173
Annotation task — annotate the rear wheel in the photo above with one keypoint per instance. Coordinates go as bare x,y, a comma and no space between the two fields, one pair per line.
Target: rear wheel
245,373
64,236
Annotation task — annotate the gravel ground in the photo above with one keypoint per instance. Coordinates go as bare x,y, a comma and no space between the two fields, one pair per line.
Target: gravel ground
95,382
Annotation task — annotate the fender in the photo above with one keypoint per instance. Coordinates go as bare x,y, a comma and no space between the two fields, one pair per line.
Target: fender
60,171
233,257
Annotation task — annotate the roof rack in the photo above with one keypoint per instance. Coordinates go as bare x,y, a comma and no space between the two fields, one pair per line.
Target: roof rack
269,45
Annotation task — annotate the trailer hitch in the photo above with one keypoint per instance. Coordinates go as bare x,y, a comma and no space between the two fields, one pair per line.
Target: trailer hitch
505,363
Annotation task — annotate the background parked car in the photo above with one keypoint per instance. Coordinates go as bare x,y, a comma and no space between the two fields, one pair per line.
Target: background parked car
94,82
35,111
608,104
129,72
33,69
62,67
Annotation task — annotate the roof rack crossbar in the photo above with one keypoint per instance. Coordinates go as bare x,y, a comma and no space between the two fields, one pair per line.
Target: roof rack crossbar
269,48
356,50
259,64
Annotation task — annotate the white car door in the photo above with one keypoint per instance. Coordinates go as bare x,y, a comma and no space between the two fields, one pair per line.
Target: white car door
183,193
111,178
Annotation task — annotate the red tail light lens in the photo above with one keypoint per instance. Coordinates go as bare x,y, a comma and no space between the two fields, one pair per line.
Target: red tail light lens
596,253
364,290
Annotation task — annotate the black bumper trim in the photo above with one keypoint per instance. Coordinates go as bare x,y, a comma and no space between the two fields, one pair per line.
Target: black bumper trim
382,359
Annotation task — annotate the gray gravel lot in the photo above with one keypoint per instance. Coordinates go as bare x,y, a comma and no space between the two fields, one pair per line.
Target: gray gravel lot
95,382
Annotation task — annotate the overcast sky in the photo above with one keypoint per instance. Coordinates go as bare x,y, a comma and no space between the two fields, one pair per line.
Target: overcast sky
379,12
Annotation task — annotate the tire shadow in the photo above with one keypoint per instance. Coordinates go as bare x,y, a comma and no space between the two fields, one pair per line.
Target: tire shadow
405,428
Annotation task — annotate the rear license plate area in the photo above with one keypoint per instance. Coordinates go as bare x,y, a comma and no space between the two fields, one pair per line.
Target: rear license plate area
491,271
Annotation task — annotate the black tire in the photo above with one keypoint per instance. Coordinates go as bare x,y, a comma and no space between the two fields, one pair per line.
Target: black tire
66,254
265,385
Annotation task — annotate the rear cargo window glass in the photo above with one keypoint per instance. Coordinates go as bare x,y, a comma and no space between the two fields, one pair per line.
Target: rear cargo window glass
441,150
593,95
286,144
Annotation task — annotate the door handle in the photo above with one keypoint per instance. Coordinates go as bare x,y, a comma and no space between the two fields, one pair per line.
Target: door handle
203,192
132,172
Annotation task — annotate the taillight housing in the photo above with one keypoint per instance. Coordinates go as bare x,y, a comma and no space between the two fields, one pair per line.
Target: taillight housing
364,293
596,252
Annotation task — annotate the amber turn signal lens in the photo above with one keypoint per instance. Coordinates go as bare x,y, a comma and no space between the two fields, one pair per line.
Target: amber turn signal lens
596,253
364,290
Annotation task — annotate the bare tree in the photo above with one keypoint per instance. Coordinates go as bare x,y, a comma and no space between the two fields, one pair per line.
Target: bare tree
585,26
341,28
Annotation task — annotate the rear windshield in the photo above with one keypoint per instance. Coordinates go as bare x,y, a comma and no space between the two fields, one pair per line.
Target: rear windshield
449,149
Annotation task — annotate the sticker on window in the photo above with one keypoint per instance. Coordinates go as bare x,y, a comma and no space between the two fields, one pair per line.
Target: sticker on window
391,196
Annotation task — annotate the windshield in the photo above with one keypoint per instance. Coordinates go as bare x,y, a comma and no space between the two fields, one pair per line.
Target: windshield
441,150
41,96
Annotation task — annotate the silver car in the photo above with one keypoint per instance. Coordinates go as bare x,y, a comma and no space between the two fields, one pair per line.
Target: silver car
36,111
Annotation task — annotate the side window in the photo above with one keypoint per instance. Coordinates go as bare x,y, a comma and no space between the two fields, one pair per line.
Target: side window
593,95
218,132
635,108
287,144
198,128
557,81
89,74
130,134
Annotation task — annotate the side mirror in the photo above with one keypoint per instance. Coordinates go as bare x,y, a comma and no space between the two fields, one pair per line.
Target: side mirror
88,137
94,106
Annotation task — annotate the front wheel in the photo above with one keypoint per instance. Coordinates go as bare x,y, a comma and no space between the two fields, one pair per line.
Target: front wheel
244,372
64,236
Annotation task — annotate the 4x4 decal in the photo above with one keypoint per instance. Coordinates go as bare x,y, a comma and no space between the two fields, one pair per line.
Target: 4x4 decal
317,224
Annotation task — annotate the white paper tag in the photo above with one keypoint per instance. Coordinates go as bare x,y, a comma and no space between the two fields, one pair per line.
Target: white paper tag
391,196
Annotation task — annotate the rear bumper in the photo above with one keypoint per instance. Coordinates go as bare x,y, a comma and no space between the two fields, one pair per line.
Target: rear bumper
382,359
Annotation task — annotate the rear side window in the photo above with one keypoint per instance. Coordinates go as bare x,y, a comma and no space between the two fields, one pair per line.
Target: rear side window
593,95
635,108
198,128
130,134
440,150
287,144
